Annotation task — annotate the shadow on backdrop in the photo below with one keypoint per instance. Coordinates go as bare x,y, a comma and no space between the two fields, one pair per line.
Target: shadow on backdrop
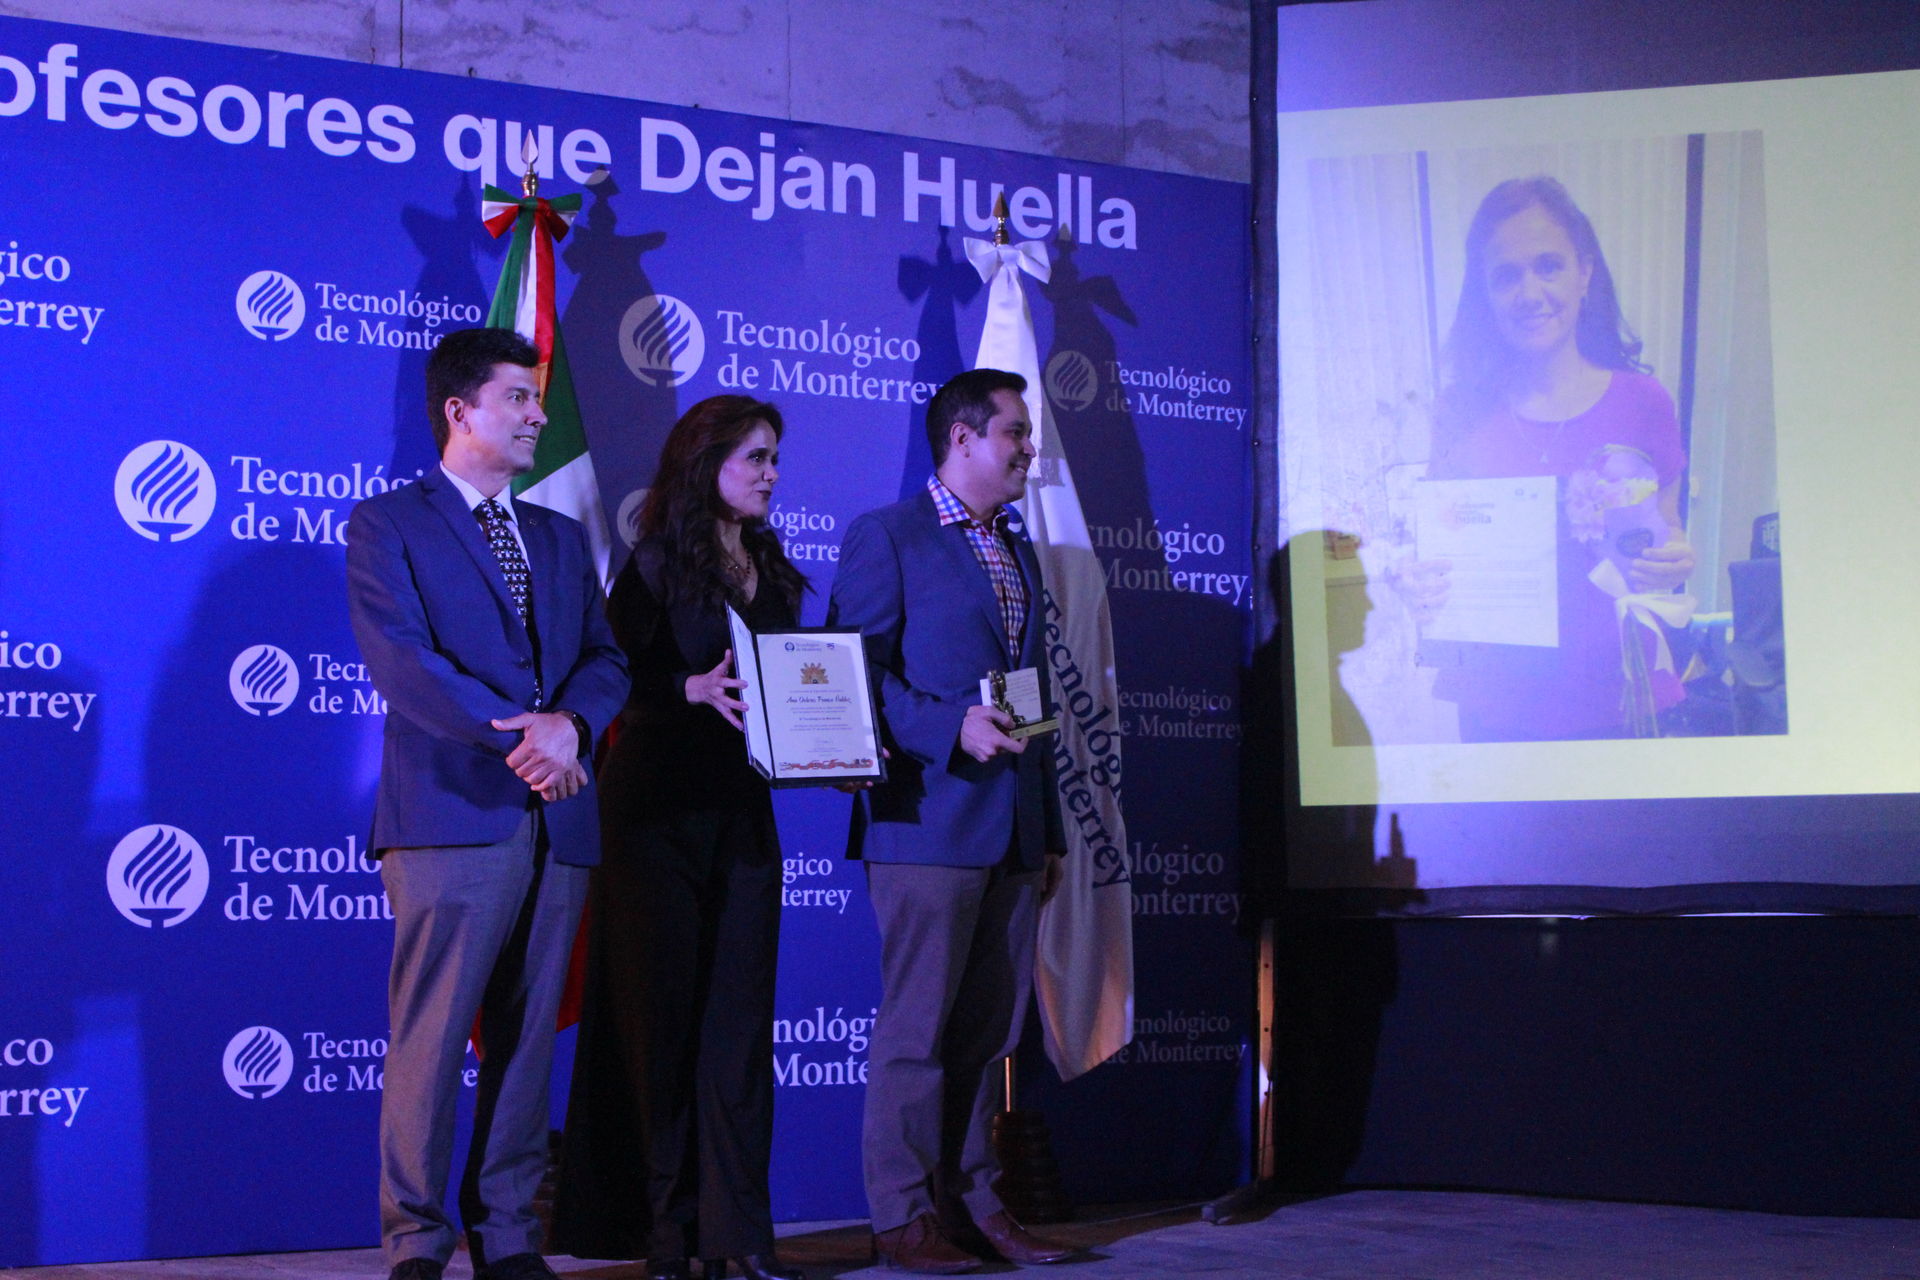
1096,427
942,285
449,249
626,417
259,787
54,890
1334,975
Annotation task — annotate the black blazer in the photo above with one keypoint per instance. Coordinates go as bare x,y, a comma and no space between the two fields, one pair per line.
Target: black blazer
670,753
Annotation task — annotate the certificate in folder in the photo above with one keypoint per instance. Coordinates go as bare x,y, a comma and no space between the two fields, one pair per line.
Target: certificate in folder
810,717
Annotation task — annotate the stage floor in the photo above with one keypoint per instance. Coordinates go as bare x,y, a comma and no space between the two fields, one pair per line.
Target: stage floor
1361,1235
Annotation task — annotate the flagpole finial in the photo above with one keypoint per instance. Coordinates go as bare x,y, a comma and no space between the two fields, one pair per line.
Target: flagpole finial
1000,218
529,152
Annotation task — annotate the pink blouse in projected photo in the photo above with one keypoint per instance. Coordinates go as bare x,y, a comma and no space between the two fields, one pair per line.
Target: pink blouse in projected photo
1506,694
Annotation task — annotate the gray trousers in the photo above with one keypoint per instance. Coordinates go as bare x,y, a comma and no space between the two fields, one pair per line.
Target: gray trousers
956,966
481,930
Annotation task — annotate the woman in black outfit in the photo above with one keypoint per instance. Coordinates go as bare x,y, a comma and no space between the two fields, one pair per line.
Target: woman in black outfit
670,1119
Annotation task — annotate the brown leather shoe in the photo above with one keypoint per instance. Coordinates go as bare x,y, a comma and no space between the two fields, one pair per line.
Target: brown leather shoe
1017,1244
921,1246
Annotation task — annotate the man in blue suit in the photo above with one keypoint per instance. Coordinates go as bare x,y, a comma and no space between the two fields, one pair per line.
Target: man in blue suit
482,624
961,841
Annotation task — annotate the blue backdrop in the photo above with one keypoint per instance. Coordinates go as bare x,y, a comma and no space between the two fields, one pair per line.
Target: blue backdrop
220,271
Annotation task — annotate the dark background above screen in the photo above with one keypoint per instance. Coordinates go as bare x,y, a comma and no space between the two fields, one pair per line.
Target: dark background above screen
1366,53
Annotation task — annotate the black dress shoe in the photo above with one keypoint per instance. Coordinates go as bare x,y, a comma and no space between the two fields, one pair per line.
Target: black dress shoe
417,1269
753,1266
518,1266
668,1269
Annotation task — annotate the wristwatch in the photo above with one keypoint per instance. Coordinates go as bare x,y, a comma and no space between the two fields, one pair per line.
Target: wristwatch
580,726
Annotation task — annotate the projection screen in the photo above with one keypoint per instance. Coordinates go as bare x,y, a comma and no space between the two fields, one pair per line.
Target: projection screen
1597,365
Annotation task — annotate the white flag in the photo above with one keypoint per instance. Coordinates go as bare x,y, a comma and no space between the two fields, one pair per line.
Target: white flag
1084,967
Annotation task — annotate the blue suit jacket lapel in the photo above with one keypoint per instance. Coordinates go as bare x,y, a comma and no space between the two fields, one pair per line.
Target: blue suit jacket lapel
445,499
1036,604
967,568
543,562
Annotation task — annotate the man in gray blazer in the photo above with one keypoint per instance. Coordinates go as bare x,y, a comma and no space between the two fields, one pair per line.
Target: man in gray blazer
962,839
483,626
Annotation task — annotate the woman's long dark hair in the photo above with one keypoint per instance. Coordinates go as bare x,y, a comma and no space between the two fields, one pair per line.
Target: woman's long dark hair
684,504
1479,358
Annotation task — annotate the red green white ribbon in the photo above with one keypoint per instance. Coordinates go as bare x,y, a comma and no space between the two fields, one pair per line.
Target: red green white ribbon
524,301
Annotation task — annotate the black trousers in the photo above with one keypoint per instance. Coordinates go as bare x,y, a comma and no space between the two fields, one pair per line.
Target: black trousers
670,1117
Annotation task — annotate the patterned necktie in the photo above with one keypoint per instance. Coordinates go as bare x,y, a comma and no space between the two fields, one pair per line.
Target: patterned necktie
506,549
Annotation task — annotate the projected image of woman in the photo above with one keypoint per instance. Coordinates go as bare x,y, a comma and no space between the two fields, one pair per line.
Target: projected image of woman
1545,380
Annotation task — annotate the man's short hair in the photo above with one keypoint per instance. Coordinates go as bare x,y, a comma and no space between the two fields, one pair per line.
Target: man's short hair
968,399
462,363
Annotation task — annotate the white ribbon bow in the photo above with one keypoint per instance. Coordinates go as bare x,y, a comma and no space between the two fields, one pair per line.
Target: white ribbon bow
1007,333
1648,608
1029,256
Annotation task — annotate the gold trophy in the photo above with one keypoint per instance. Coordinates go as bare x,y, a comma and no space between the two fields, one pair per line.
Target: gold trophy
1022,704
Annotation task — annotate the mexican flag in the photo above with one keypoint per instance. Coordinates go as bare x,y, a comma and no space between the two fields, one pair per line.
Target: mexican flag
562,477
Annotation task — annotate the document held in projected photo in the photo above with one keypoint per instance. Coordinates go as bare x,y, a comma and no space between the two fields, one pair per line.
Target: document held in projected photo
1498,540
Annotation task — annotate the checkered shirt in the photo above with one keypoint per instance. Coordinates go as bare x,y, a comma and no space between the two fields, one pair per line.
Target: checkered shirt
993,549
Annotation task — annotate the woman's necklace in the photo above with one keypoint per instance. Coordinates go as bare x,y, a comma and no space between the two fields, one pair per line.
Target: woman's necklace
1549,440
1580,390
738,569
